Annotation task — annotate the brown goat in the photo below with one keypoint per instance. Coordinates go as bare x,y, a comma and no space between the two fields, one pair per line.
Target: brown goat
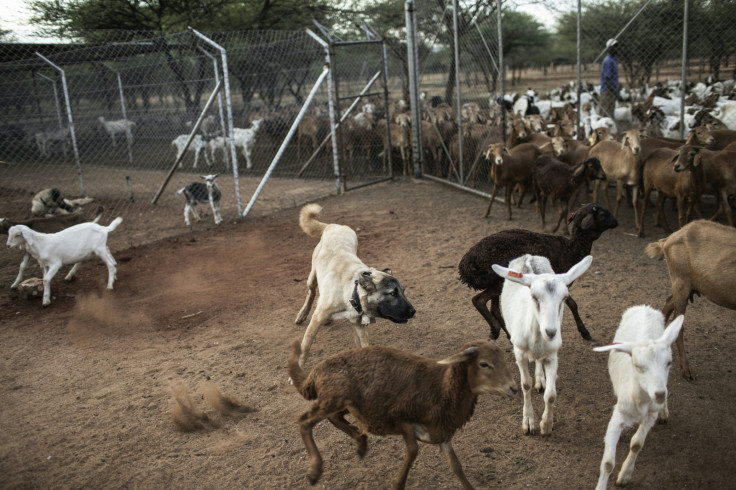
716,139
699,261
676,175
622,165
510,167
517,132
556,180
389,391
719,168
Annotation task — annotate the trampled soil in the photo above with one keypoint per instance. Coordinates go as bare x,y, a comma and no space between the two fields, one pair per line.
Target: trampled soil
88,384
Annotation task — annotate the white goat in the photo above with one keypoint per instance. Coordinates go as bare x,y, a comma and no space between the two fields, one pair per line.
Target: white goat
639,365
44,139
246,139
197,192
121,126
66,247
197,146
219,143
532,302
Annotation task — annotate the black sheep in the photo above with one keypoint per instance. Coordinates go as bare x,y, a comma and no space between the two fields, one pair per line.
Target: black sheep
586,225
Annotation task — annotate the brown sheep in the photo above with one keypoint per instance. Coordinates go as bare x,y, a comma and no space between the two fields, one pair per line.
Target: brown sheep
389,391
508,168
700,260
676,175
716,139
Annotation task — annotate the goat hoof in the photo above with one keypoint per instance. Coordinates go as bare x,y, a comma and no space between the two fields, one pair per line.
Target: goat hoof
585,335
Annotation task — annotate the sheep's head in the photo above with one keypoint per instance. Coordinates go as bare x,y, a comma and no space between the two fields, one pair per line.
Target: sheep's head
651,360
494,153
688,157
631,139
559,146
700,136
487,368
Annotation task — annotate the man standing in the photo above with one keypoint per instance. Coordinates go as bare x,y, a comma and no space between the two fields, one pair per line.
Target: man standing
609,79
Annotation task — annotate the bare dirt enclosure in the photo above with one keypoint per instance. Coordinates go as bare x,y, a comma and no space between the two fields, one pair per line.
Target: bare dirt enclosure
199,326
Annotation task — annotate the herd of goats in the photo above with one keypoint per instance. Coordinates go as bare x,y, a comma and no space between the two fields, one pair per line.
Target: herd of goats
523,274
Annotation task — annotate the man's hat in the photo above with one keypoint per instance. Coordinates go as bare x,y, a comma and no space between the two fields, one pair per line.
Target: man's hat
611,42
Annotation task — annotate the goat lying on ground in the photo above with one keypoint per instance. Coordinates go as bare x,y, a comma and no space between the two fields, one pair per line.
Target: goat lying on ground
586,225
51,202
66,247
639,366
196,192
699,261
51,224
531,302
389,391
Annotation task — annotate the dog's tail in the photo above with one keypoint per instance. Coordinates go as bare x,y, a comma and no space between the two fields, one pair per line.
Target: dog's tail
298,376
114,224
309,220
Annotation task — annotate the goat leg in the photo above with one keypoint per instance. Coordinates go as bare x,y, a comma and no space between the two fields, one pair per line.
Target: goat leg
480,301
457,468
578,321
411,454
338,420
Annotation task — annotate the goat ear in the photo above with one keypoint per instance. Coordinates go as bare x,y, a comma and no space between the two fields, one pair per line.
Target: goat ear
512,275
366,281
577,270
387,271
672,331
463,356
624,347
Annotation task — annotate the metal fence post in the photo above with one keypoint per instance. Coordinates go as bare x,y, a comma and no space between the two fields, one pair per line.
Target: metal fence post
411,49
56,99
70,118
219,95
231,124
458,98
684,69
125,117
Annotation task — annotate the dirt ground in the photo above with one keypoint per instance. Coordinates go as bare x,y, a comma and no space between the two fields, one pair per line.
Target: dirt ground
88,384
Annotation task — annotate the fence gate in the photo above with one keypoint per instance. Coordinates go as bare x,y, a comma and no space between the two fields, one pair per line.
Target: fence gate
360,81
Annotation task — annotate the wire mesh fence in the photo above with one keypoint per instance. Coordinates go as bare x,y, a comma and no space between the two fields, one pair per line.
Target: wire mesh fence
658,41
109,119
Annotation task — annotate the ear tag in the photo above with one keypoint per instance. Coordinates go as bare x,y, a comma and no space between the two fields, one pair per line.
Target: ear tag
515,274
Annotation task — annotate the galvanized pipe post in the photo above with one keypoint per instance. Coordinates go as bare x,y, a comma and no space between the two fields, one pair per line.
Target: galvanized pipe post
125,116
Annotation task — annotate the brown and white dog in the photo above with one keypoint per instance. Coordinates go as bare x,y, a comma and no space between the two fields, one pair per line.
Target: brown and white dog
347,287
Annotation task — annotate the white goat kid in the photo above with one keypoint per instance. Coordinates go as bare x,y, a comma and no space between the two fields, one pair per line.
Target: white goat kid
196,192
69,246
639,366
532,302
121,126
246,139
197,146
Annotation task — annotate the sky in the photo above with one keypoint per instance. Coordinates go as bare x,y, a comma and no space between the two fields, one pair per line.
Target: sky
15,17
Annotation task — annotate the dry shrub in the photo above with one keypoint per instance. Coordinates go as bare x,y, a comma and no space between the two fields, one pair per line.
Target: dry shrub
224,404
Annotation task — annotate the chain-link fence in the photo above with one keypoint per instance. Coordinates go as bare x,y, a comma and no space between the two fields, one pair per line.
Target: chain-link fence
110,119
461,55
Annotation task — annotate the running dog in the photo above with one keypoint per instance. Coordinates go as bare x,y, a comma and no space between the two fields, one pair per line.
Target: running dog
348,288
